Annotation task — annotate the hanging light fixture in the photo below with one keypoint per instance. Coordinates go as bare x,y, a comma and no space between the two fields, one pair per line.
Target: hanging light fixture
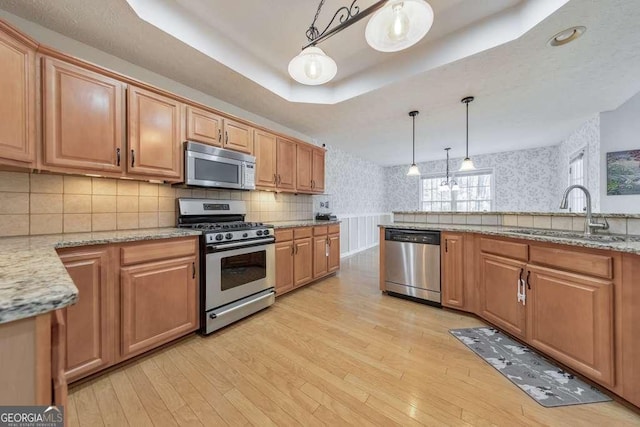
449,185
396,25
413,169
467,163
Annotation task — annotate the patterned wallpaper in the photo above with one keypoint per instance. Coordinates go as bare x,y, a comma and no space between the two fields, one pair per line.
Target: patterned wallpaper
352,185
534,170
587,135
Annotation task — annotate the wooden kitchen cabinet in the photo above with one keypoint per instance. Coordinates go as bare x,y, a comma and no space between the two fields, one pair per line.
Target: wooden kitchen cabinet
91,322
302,261
570,318
266,152
317,170
204,126
453,268
155,135
238,136
284,267
320,256
304,166
286,164
499,293
83,124
333,261
18,106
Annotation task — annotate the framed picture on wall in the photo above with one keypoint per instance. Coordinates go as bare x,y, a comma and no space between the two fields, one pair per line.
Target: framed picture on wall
623,173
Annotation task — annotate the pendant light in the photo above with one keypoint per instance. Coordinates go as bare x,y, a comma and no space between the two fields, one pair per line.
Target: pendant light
467,163
413,170
312,67
448,185
399,25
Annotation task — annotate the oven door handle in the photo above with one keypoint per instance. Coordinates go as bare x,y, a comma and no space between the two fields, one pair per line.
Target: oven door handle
222,313
234,245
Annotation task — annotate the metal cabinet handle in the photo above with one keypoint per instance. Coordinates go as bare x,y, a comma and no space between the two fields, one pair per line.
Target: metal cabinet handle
133,157
293,249
226,137
275,178
527,279
193,266
279,179
118,156
296,249
219,135
520,275
446,245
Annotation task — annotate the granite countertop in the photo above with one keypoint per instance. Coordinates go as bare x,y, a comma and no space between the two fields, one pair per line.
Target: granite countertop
630,244
33,280
302,223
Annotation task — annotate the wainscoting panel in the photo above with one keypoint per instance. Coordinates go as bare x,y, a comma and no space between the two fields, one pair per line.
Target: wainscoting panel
360,231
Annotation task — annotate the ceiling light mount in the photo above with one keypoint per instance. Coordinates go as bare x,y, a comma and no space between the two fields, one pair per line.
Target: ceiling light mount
395,25
567,36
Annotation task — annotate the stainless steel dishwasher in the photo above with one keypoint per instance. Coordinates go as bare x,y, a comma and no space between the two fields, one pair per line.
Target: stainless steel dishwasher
412,264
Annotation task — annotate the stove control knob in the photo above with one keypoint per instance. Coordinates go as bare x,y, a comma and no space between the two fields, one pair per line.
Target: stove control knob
265,232
245,235
229,236
219,237
259,233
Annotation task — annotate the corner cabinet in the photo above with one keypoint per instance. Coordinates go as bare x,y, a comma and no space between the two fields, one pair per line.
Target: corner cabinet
83,123
18,106
133,297
155,135
453,267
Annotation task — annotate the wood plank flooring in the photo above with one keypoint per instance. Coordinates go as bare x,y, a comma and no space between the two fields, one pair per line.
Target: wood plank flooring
337,352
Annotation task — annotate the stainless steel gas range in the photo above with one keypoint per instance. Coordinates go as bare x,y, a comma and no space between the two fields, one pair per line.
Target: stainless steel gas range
238,272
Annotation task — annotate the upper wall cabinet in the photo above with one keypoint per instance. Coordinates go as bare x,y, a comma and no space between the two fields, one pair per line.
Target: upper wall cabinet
238,136
18,91
317,170
310,169
155,135
204,126
265,150
83,119
286,164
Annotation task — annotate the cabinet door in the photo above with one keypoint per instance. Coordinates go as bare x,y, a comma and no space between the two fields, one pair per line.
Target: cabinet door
303,260
333,263
90,322
452,249
155,135
304,159
571,319
265,150
320,256
284,267
18,106
83,118
286,164
204,126
317,177
159,303
238,136
499,293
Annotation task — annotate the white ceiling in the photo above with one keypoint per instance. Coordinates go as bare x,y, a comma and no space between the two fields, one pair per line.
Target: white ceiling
527,94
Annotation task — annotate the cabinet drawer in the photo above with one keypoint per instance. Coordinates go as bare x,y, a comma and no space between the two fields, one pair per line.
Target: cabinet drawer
302,232
575,261
284,235
334,228
513,250
320,230
157,250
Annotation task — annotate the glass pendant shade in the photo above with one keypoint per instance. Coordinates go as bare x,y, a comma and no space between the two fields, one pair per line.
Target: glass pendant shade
413,170
454,186
399,25
467,165
312,67
444,187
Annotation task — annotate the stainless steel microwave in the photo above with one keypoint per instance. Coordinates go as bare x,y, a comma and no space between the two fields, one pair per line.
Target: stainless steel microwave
207,166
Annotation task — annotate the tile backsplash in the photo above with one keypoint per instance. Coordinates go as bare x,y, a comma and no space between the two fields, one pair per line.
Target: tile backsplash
51,204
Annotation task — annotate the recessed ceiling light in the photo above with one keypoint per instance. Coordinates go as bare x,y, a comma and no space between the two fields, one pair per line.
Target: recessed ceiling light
567,36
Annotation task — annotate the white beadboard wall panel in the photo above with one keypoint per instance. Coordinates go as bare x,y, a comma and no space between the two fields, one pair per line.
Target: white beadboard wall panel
360,232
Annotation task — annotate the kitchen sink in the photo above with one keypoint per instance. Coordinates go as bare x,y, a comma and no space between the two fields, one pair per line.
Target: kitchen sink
568,235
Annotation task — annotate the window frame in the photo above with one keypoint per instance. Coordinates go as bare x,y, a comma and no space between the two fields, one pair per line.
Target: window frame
579,153
453,199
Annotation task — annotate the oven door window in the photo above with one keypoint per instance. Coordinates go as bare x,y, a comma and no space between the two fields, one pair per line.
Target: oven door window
238,270
211,170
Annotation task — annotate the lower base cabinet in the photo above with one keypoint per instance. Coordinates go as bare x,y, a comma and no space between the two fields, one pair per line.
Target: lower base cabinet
305,254
132,298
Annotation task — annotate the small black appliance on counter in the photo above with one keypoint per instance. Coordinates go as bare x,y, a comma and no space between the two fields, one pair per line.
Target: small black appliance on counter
325,217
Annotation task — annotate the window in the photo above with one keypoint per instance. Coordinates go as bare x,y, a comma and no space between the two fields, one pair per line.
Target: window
577,199
475,193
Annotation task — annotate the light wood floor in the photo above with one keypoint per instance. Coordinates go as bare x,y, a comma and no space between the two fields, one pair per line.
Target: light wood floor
334,353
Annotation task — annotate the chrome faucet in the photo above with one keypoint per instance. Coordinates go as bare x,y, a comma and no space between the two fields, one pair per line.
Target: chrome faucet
589,224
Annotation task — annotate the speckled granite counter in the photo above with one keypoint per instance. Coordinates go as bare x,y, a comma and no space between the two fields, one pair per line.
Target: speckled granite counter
303,223
34,281
630,244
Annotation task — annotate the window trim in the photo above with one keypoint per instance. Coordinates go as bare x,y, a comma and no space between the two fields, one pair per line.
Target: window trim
581,152
442,176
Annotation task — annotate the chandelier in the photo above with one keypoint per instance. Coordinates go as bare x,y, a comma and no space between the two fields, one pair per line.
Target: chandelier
394,26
